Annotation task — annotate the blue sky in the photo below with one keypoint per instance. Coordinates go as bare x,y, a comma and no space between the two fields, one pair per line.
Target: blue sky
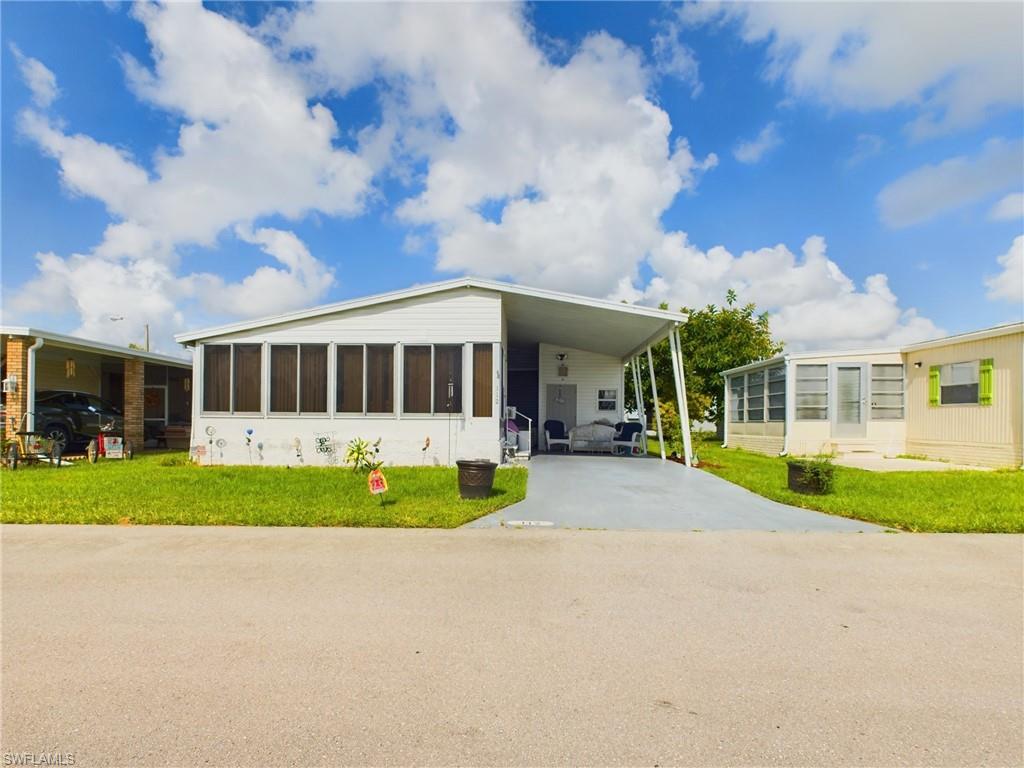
855,170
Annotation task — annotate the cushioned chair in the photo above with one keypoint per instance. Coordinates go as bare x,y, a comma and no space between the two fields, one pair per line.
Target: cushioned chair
555,434
629,438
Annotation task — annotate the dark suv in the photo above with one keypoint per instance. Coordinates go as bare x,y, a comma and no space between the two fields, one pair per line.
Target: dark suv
74,418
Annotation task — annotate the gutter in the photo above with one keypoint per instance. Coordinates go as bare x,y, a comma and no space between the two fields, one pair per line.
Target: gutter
30,385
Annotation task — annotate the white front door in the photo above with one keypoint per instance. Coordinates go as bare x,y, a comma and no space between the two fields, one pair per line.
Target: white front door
849,400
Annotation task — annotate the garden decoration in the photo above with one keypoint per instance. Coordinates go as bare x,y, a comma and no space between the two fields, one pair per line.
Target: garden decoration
109,445
248,442
362,454
377,484
32,447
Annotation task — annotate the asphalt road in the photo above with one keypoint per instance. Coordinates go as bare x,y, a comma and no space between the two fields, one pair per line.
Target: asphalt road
260,647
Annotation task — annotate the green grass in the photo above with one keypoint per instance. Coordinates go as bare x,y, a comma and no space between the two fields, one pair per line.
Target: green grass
163,488
956,501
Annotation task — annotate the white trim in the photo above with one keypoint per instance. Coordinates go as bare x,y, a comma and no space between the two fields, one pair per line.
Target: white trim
985,333
422,290
657,410
87,345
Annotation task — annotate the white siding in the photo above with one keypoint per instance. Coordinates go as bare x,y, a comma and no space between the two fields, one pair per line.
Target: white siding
589,372
460,316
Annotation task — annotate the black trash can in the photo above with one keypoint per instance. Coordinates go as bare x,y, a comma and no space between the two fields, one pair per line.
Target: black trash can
476,478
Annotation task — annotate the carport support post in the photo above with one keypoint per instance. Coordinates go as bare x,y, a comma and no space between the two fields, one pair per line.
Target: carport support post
638,394
680,382
657,410
134,403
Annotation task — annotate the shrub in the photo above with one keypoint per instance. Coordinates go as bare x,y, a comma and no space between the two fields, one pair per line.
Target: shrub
362,454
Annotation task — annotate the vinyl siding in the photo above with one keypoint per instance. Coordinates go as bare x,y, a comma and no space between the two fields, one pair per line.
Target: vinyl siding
589,372
461,316
987,435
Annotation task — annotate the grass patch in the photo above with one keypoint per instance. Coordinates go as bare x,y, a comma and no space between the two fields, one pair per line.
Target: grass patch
955,501
165,489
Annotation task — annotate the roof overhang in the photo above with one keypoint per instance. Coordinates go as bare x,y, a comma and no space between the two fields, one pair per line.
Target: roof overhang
534,315
88,345
985,333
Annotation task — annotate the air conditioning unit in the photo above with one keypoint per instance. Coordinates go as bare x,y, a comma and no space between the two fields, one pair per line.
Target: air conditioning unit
10,385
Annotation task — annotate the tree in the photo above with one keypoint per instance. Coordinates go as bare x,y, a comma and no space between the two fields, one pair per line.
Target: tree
713,339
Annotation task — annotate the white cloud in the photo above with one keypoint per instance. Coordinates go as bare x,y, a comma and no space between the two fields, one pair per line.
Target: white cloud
868,145
1008,285
953,64
1010,208
811,302
754,150
38,77
673,58
586,165
933,189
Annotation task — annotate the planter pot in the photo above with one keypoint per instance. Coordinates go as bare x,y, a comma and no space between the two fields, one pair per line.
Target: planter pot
476,478
803,482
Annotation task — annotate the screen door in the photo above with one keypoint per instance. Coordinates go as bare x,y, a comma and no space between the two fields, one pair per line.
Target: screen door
849,416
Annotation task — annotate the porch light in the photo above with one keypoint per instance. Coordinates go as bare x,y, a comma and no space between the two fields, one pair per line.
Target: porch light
563,369
69,368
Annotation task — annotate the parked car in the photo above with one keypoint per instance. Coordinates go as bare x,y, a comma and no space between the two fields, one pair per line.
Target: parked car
74,418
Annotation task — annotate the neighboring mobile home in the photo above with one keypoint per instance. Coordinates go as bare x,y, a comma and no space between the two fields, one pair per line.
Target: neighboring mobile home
958,399
429,371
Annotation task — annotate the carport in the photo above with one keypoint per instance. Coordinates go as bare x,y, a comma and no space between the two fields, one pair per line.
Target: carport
644,494
153,391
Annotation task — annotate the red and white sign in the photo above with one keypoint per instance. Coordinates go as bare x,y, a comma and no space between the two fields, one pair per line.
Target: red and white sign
113,447
377,482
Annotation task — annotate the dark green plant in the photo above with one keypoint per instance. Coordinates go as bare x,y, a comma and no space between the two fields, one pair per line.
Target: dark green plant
820,471
713,339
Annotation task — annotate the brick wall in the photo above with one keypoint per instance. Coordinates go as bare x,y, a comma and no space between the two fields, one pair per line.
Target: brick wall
134,380
17,365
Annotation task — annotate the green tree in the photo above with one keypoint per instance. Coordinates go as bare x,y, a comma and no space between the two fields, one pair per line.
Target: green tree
713,339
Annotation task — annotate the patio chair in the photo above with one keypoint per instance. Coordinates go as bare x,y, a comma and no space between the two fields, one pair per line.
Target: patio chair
629,437
555,434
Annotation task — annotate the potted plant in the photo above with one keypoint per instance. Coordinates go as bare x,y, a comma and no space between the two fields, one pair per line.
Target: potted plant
814,476
476,478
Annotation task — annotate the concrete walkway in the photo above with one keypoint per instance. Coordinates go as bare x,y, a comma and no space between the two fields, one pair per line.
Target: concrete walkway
646,493
875,463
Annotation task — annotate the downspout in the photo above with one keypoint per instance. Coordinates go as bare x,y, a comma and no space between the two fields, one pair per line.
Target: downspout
790,403
30,385
725,415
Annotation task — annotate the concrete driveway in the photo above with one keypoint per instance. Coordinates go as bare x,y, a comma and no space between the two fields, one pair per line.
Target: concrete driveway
616,492
242,646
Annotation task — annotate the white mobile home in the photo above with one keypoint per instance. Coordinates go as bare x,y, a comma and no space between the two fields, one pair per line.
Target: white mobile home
957,399
429,370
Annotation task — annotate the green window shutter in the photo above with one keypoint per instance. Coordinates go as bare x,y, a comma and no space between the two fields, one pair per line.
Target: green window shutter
933,385
986,382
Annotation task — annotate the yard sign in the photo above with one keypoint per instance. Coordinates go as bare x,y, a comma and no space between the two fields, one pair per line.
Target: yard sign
377,482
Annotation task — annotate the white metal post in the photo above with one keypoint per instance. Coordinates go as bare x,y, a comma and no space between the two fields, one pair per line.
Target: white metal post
638,393
677,373
657,411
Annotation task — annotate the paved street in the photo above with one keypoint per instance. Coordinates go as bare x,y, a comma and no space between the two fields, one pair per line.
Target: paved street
257,647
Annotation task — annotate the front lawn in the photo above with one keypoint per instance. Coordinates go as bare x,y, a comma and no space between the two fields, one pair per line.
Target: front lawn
982,502
163,488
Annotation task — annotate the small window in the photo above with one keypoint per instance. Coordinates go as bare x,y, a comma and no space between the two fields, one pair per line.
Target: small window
812,392
607,400
448,378
483,377
777,394
416,375
958,383
349,386
380,378
313,378
755,396
247,376
284,378
217,378
737,396
887,392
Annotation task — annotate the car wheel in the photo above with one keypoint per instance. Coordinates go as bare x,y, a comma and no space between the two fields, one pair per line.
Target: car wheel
60,435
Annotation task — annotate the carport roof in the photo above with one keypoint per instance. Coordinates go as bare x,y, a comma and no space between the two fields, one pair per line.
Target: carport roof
534,315
88,345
